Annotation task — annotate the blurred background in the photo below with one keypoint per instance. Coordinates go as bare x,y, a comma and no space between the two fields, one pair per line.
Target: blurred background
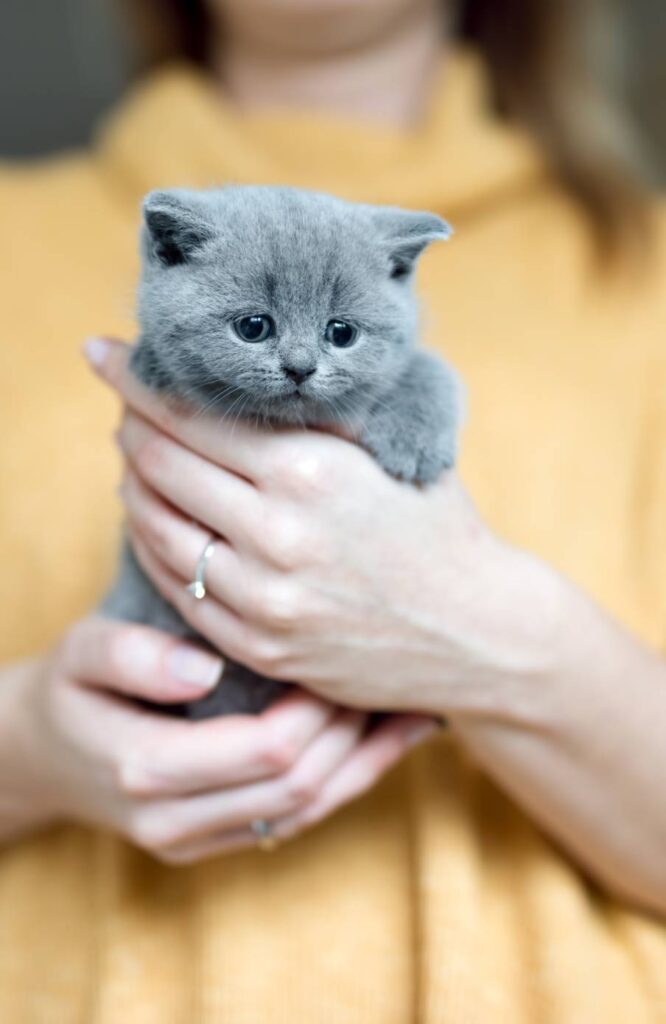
64,62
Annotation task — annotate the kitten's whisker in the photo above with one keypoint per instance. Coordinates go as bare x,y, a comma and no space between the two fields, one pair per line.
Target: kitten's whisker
239,402
225,392
239,414
343,416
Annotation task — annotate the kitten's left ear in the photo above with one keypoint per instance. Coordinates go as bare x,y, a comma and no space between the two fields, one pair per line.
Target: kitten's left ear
407,234
175,226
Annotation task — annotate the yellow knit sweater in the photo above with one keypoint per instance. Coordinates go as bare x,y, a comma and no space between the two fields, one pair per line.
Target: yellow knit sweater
432,900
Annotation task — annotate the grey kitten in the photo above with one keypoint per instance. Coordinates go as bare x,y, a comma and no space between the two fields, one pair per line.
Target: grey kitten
293,307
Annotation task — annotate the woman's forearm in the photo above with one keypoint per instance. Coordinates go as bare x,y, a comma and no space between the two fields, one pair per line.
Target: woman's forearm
587,757
379,595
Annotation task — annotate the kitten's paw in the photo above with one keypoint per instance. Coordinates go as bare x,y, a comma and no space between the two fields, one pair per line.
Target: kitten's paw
415,459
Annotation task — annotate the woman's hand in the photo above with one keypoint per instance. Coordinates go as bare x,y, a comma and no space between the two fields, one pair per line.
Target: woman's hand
73,745
371,592
380,594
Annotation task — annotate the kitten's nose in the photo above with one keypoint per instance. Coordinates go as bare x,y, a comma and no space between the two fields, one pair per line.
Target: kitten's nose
298,374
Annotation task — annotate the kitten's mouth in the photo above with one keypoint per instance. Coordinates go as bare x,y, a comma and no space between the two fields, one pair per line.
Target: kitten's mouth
298,398
298,393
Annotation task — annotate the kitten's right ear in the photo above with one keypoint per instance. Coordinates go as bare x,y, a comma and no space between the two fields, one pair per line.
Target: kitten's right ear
407,234
175,228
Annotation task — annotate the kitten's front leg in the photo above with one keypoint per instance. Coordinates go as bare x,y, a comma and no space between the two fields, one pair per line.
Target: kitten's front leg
413,431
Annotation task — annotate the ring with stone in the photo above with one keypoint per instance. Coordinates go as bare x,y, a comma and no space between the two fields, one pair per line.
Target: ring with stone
263,831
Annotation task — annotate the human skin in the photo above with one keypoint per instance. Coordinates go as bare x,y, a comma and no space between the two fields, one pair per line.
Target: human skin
60,757
530,713
373,60
73,747
422,609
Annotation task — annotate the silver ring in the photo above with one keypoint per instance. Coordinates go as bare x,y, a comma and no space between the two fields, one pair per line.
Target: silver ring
197,588
263,830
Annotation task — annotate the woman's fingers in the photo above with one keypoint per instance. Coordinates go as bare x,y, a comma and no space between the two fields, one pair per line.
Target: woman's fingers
178,542
219,500
181,758
138,661
202,849
199,817
373,757
243,449
292,459
239,639
338,767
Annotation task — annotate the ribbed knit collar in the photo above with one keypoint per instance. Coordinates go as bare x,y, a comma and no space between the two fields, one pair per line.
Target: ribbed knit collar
176,128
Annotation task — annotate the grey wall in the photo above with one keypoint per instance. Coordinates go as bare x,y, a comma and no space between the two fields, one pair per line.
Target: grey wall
63,62
646,45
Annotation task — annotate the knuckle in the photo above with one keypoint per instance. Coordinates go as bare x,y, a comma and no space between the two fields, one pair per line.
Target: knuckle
121,646
278,606
129,777
280,755
154,833
309,475
117,646
269,658
159,534
301,790
135,778
305,472
165,415
284,542
151,455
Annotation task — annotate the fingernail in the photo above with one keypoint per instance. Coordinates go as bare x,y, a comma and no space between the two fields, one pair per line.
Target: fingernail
95,351
421,732
195,668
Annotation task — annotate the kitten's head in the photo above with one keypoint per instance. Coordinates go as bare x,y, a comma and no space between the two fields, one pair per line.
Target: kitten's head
277,302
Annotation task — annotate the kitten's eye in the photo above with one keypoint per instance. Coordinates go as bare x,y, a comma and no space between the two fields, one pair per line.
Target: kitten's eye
340,333
254,328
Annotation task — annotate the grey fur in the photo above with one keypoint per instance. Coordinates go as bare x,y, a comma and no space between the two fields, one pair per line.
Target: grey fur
304,259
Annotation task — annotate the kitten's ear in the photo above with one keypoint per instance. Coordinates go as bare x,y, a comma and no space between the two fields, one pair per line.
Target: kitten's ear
175,228
407,234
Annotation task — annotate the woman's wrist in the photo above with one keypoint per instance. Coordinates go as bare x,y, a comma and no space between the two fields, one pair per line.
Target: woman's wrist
21,810
508,647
